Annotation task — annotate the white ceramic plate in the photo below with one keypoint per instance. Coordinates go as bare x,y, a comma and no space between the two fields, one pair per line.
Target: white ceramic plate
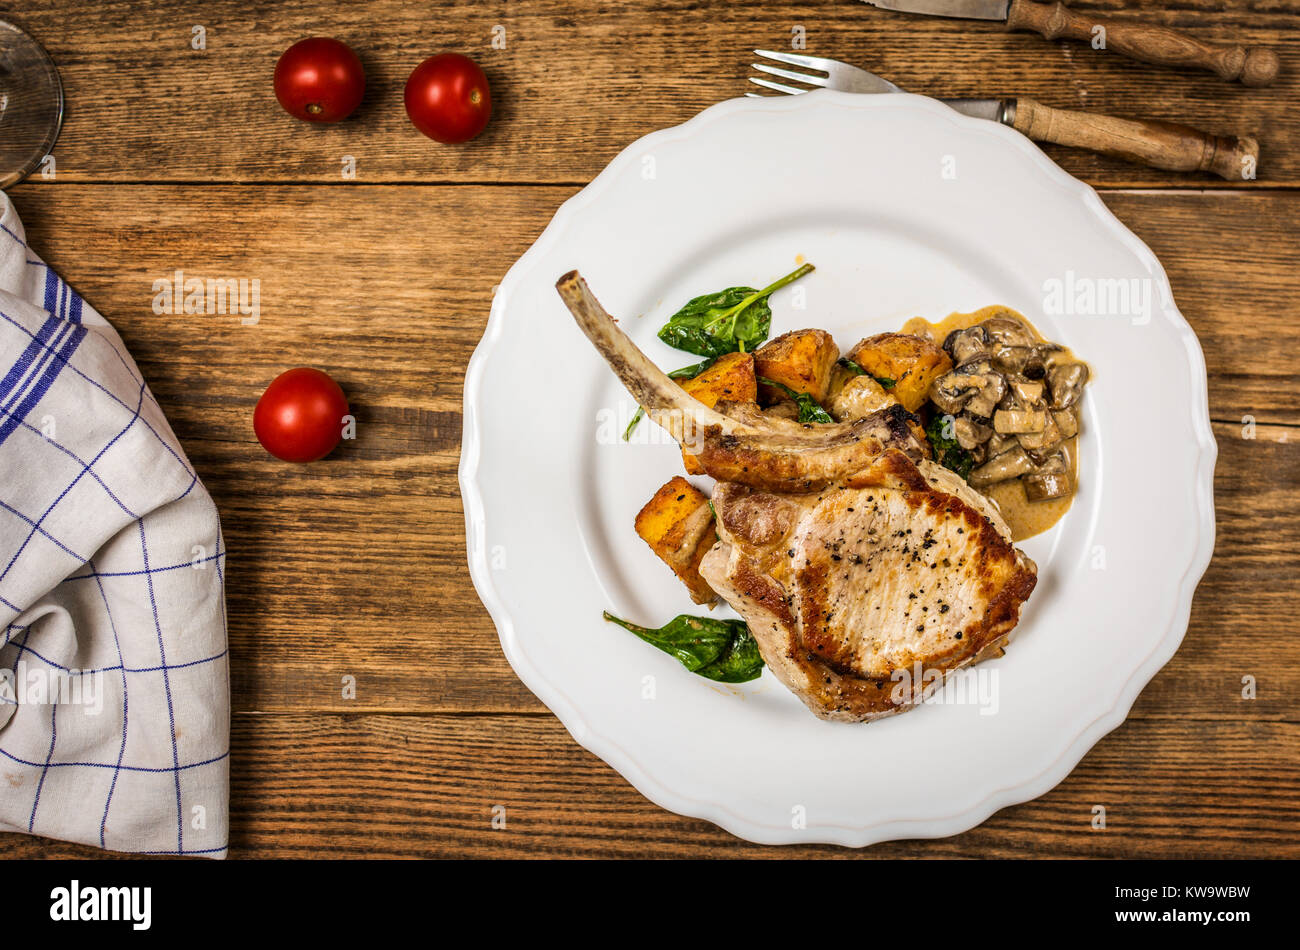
906,208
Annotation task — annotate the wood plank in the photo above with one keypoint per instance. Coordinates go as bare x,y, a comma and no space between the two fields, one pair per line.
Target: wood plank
402,786
578,80
395,313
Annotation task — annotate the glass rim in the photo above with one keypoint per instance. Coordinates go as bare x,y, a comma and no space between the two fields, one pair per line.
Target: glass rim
52,134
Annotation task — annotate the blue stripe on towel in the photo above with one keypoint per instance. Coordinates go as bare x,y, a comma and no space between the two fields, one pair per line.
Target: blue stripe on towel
24,362
34,395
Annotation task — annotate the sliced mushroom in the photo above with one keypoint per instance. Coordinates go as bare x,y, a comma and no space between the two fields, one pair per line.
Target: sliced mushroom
1040,360
990,394
1029,392
974,380
1010,464
1010,359
1065,382
977,367
1008,330
1052,480
969,433
952,391
1044,455
966,345
1043,487
1000,443
1048,437
1056,463
1016,421
1067,422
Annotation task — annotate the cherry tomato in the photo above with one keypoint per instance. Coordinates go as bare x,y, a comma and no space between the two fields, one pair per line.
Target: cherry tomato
319,80
447,98
300,416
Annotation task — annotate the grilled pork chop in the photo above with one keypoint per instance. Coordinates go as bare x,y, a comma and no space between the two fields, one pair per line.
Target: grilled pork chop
843,587
850,555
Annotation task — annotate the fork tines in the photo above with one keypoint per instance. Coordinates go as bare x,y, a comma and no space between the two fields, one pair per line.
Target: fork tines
792,59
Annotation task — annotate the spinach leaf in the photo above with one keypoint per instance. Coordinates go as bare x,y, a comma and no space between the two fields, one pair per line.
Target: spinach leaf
690,372
722,650
686,372
884,381
740,662
947,450
715,324
694,641
725,322
809,409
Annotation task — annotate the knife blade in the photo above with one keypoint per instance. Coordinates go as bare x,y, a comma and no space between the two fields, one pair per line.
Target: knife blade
1253,66
962,9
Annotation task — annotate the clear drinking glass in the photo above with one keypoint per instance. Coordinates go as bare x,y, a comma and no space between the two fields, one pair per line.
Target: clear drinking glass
31,104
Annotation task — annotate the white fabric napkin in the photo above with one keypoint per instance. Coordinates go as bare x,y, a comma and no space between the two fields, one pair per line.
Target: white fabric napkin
114,682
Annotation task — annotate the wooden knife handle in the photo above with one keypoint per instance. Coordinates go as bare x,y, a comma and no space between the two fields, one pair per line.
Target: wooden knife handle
1150,44
1158,144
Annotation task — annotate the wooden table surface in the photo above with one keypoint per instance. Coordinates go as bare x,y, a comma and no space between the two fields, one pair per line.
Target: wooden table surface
173,158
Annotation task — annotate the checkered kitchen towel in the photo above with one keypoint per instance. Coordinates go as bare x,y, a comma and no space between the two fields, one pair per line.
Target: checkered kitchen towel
114,684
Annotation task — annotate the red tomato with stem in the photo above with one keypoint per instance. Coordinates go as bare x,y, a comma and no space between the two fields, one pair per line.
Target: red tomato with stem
319,80
300,416
447,98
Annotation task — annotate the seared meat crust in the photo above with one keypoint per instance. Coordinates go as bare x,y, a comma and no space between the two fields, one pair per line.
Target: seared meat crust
845,587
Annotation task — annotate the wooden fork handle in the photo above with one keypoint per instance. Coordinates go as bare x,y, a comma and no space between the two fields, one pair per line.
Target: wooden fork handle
1157,144
1255,66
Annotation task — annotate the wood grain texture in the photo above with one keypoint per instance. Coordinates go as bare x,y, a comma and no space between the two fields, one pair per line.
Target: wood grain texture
1256,66
406,786
175,158
580,79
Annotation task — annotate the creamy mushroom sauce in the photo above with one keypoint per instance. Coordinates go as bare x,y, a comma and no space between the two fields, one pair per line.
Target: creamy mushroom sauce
1025,518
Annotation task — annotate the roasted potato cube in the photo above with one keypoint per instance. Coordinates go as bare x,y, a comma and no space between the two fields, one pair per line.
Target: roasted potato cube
801,360
844,380
677,523
841,376
859,398
912,362
732,379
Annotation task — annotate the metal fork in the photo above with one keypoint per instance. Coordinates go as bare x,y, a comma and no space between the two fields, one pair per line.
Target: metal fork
1156,144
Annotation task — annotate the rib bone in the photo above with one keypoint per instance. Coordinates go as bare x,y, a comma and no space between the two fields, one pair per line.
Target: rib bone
754,452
